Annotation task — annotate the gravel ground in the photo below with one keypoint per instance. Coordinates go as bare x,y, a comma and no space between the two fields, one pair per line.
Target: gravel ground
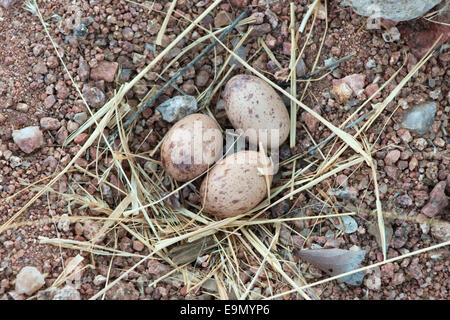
413,170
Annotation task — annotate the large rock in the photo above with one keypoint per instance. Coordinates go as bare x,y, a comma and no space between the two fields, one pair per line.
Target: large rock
391,9
29,280
28,139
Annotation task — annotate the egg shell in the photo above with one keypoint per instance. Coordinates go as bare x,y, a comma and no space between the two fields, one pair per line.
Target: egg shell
192,145
255,107
235,186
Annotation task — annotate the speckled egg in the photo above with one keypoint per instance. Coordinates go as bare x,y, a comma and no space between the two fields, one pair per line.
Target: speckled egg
192,145
235,185
255,107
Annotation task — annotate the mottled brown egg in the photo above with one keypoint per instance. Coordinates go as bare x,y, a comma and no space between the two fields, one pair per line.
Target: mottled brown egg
236,185
255,107
192,145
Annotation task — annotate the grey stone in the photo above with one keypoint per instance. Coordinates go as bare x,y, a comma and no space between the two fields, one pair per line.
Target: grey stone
420,118
177,108
391,9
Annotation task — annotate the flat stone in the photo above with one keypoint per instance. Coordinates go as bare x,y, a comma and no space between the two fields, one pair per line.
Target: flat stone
105,70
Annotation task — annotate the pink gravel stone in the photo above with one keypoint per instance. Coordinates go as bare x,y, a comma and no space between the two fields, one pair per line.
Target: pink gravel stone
438,200
392,157
354,81
48,123
28,139
105,70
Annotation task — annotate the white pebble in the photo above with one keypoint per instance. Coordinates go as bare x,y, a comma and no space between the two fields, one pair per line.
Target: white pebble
29,280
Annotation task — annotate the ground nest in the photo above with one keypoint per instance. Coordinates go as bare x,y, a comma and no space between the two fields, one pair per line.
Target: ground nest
257,255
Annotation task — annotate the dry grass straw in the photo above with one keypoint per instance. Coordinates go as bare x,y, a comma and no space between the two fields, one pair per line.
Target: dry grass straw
234,244
165,22
293,79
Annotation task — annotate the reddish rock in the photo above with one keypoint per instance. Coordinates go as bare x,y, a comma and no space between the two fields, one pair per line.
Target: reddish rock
63,91
413,164
421,36
342,180
61,135
398,278
391,172
123,291
138,246
105,70
311,121
48,123
9,61
222,19
40,68
49,101
128,34
84,70
371,89
81,138
239,3
438,200
287,48
91,229
260,30
157,269
28,139
392,157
